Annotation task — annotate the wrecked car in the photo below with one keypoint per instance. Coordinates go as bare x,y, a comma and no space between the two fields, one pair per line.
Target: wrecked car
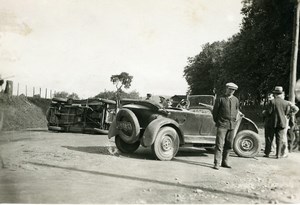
93,115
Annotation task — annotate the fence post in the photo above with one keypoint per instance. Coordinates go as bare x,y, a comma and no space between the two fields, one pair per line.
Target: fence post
26,90
9,88
46,94
18,89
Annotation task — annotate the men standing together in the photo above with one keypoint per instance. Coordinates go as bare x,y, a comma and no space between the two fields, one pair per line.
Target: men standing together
278,111
225,114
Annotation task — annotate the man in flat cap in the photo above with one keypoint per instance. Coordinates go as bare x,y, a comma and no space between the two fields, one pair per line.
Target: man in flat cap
225,112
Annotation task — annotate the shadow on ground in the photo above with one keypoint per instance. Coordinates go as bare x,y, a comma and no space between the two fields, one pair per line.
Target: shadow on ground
141,153
135,178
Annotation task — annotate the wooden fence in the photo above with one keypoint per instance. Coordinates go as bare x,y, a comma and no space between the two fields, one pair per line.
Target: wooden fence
29,91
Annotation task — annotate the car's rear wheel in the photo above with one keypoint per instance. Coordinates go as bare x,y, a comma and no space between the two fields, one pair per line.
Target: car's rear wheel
125,147
247,144
166,144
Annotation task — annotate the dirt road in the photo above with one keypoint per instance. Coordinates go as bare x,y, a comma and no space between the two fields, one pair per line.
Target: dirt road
47,167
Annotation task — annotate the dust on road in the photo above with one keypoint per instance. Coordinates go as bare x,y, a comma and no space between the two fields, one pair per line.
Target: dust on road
48,167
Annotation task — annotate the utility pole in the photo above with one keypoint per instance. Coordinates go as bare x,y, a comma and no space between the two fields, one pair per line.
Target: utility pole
293,71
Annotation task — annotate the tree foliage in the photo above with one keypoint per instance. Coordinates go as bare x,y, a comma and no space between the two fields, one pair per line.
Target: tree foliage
123,79
64,94
257,58
201,71
111,95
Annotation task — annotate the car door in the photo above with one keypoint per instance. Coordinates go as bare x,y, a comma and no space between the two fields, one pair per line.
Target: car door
195,122
206,122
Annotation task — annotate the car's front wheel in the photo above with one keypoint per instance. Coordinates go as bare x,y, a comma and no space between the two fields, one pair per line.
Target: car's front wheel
247,144
126,147
166,144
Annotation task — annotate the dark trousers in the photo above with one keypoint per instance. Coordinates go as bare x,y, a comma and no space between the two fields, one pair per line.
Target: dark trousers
279,132
223,145
269,136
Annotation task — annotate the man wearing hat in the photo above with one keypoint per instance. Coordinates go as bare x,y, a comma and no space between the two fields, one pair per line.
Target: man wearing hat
268,126
148,96
279,109
225,112
163,102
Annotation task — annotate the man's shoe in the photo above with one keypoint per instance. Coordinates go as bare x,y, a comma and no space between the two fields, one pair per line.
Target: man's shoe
226,166
266,155
284,156
217,167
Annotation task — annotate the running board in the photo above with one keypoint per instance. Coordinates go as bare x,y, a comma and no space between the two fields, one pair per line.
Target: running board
199,139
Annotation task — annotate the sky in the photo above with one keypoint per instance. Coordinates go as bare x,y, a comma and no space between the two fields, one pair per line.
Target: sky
77,45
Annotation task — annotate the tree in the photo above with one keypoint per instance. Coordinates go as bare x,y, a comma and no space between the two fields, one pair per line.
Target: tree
265,39
73,96
257,58
64,94
111,95
131,95
123,79
107,95
202,70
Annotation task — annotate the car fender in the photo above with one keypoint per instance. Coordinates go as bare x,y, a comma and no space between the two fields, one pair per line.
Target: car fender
152,129
246,124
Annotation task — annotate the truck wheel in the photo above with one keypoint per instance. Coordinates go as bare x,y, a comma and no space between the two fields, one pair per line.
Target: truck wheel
247,144
125,147
128,126
166,144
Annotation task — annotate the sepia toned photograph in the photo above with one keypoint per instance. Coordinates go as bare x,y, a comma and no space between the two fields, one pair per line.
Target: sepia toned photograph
149,102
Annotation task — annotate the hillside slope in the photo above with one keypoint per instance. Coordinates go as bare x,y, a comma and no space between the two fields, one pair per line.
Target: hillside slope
20,113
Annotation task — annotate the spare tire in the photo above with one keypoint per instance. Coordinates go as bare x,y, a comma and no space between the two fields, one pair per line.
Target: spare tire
128,126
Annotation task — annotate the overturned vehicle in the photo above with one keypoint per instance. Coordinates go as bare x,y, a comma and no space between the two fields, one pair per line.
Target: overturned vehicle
93,115
146,123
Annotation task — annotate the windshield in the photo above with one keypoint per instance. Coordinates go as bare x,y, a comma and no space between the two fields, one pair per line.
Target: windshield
196,100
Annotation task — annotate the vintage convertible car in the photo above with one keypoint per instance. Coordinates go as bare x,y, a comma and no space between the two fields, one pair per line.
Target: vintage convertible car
93,115
146,123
